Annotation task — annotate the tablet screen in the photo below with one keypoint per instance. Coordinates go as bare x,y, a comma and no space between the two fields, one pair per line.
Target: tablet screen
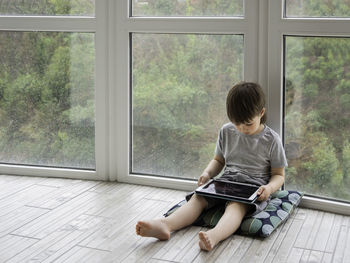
230,189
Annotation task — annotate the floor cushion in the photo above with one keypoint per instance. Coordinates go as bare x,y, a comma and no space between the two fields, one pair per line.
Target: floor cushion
277,211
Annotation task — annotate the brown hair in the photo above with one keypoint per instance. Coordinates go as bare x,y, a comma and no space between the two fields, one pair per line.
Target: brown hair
244,102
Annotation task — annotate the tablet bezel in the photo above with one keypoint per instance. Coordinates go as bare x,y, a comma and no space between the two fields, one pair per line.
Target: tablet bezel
200,190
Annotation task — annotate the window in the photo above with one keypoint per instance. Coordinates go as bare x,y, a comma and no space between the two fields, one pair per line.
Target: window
47,109
316,96
317,8
135,90
173,102
179,86
187,8
46,8
317,102
181,68
48,80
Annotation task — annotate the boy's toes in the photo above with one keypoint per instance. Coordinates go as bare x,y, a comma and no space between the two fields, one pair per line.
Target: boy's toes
204,241
153,228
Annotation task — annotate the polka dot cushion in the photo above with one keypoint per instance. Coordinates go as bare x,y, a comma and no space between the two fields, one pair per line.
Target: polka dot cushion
277,211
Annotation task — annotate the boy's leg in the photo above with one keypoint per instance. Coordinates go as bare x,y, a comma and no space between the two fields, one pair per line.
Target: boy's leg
183,216
227,225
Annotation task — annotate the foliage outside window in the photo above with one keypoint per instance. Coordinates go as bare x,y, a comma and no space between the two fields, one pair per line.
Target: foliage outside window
47,108
317,118
187,8
47,7
317,8
180,83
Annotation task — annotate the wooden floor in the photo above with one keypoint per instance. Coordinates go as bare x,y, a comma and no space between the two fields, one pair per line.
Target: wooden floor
61,220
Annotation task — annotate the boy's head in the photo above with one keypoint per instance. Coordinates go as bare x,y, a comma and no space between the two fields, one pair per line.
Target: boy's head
245,101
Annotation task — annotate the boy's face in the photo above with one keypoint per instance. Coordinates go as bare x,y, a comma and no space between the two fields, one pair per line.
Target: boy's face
251,127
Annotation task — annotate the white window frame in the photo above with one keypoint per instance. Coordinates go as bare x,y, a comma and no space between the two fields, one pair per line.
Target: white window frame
263,27
278,27
97,25
247,26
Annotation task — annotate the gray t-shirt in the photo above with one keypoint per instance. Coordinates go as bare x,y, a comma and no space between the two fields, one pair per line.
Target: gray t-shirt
249,158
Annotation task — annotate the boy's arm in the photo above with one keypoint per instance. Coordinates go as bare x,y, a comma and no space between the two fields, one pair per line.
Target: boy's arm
275,183
213,169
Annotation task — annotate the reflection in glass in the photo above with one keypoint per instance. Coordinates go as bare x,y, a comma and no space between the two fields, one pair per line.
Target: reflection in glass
47,108
180,83
48,8
317,115
187,8
317,8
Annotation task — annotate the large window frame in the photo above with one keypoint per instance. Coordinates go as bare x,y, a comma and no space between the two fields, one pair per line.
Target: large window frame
279,27
81,24
126,25
263,26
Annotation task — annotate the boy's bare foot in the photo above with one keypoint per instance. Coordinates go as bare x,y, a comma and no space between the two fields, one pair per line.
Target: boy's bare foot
153,228
205,241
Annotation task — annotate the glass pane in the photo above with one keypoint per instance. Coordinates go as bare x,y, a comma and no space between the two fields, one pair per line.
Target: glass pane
47,109
47,7
317,115
180,83
317,8
187,8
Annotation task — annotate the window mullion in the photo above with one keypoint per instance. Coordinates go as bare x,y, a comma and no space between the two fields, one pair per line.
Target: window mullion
251,41
102,71
274,54
187,25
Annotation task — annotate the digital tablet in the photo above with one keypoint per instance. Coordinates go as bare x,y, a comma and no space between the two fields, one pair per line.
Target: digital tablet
231,191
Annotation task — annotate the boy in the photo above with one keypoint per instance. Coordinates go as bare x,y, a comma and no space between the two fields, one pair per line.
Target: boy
250,151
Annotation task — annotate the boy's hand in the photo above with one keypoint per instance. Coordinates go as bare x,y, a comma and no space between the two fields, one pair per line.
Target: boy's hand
264,192
203,179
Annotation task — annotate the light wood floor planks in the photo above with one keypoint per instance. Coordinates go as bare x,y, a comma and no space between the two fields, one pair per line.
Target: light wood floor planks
63,220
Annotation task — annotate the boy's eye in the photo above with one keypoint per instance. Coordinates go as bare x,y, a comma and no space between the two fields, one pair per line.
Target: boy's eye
249,124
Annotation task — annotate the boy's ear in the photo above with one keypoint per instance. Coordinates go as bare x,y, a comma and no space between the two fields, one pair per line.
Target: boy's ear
262,112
